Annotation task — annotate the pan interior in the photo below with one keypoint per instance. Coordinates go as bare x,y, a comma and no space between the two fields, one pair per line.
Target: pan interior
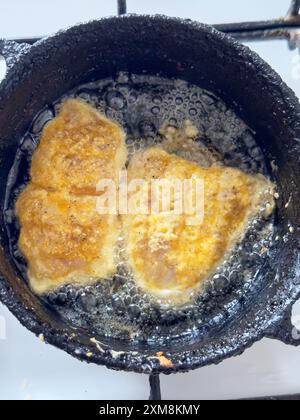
116,308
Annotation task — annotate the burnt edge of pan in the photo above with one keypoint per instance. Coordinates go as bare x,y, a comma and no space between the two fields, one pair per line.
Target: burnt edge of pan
275,318
148,363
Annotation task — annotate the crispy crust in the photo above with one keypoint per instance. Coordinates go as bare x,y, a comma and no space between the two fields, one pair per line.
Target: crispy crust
63,237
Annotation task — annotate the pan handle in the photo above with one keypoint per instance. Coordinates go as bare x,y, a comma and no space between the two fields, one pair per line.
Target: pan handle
11,51
286,331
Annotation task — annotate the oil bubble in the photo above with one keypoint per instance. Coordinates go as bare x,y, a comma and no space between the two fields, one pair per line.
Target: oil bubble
115,100
192,112
155,110
41,120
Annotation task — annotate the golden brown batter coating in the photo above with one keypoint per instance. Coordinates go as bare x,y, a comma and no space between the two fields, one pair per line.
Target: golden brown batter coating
169,256
63,237
77,149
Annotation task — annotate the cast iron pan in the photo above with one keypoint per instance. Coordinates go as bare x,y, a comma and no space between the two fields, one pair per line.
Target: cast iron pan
198,54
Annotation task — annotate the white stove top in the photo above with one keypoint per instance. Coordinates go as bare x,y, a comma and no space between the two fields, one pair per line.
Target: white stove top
32,370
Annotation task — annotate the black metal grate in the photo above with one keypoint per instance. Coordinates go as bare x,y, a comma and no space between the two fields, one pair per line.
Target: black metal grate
287,28
122,7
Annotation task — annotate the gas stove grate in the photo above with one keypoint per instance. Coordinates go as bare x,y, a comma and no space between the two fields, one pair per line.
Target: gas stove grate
286,28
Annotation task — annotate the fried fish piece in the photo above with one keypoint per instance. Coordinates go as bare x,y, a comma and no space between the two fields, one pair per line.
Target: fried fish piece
170,256
77,149
63,237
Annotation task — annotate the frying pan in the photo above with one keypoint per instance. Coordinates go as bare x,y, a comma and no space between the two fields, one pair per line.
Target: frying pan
172,48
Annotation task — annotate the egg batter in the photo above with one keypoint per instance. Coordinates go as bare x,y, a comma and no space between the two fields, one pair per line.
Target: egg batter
63,237
170,257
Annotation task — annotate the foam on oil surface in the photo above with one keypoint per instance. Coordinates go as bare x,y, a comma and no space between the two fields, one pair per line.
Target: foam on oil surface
117,307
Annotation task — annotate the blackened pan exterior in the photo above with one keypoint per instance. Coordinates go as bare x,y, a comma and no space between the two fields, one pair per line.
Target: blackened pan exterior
201,55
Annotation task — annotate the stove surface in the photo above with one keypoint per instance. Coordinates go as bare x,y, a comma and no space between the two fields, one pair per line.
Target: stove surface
32,370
